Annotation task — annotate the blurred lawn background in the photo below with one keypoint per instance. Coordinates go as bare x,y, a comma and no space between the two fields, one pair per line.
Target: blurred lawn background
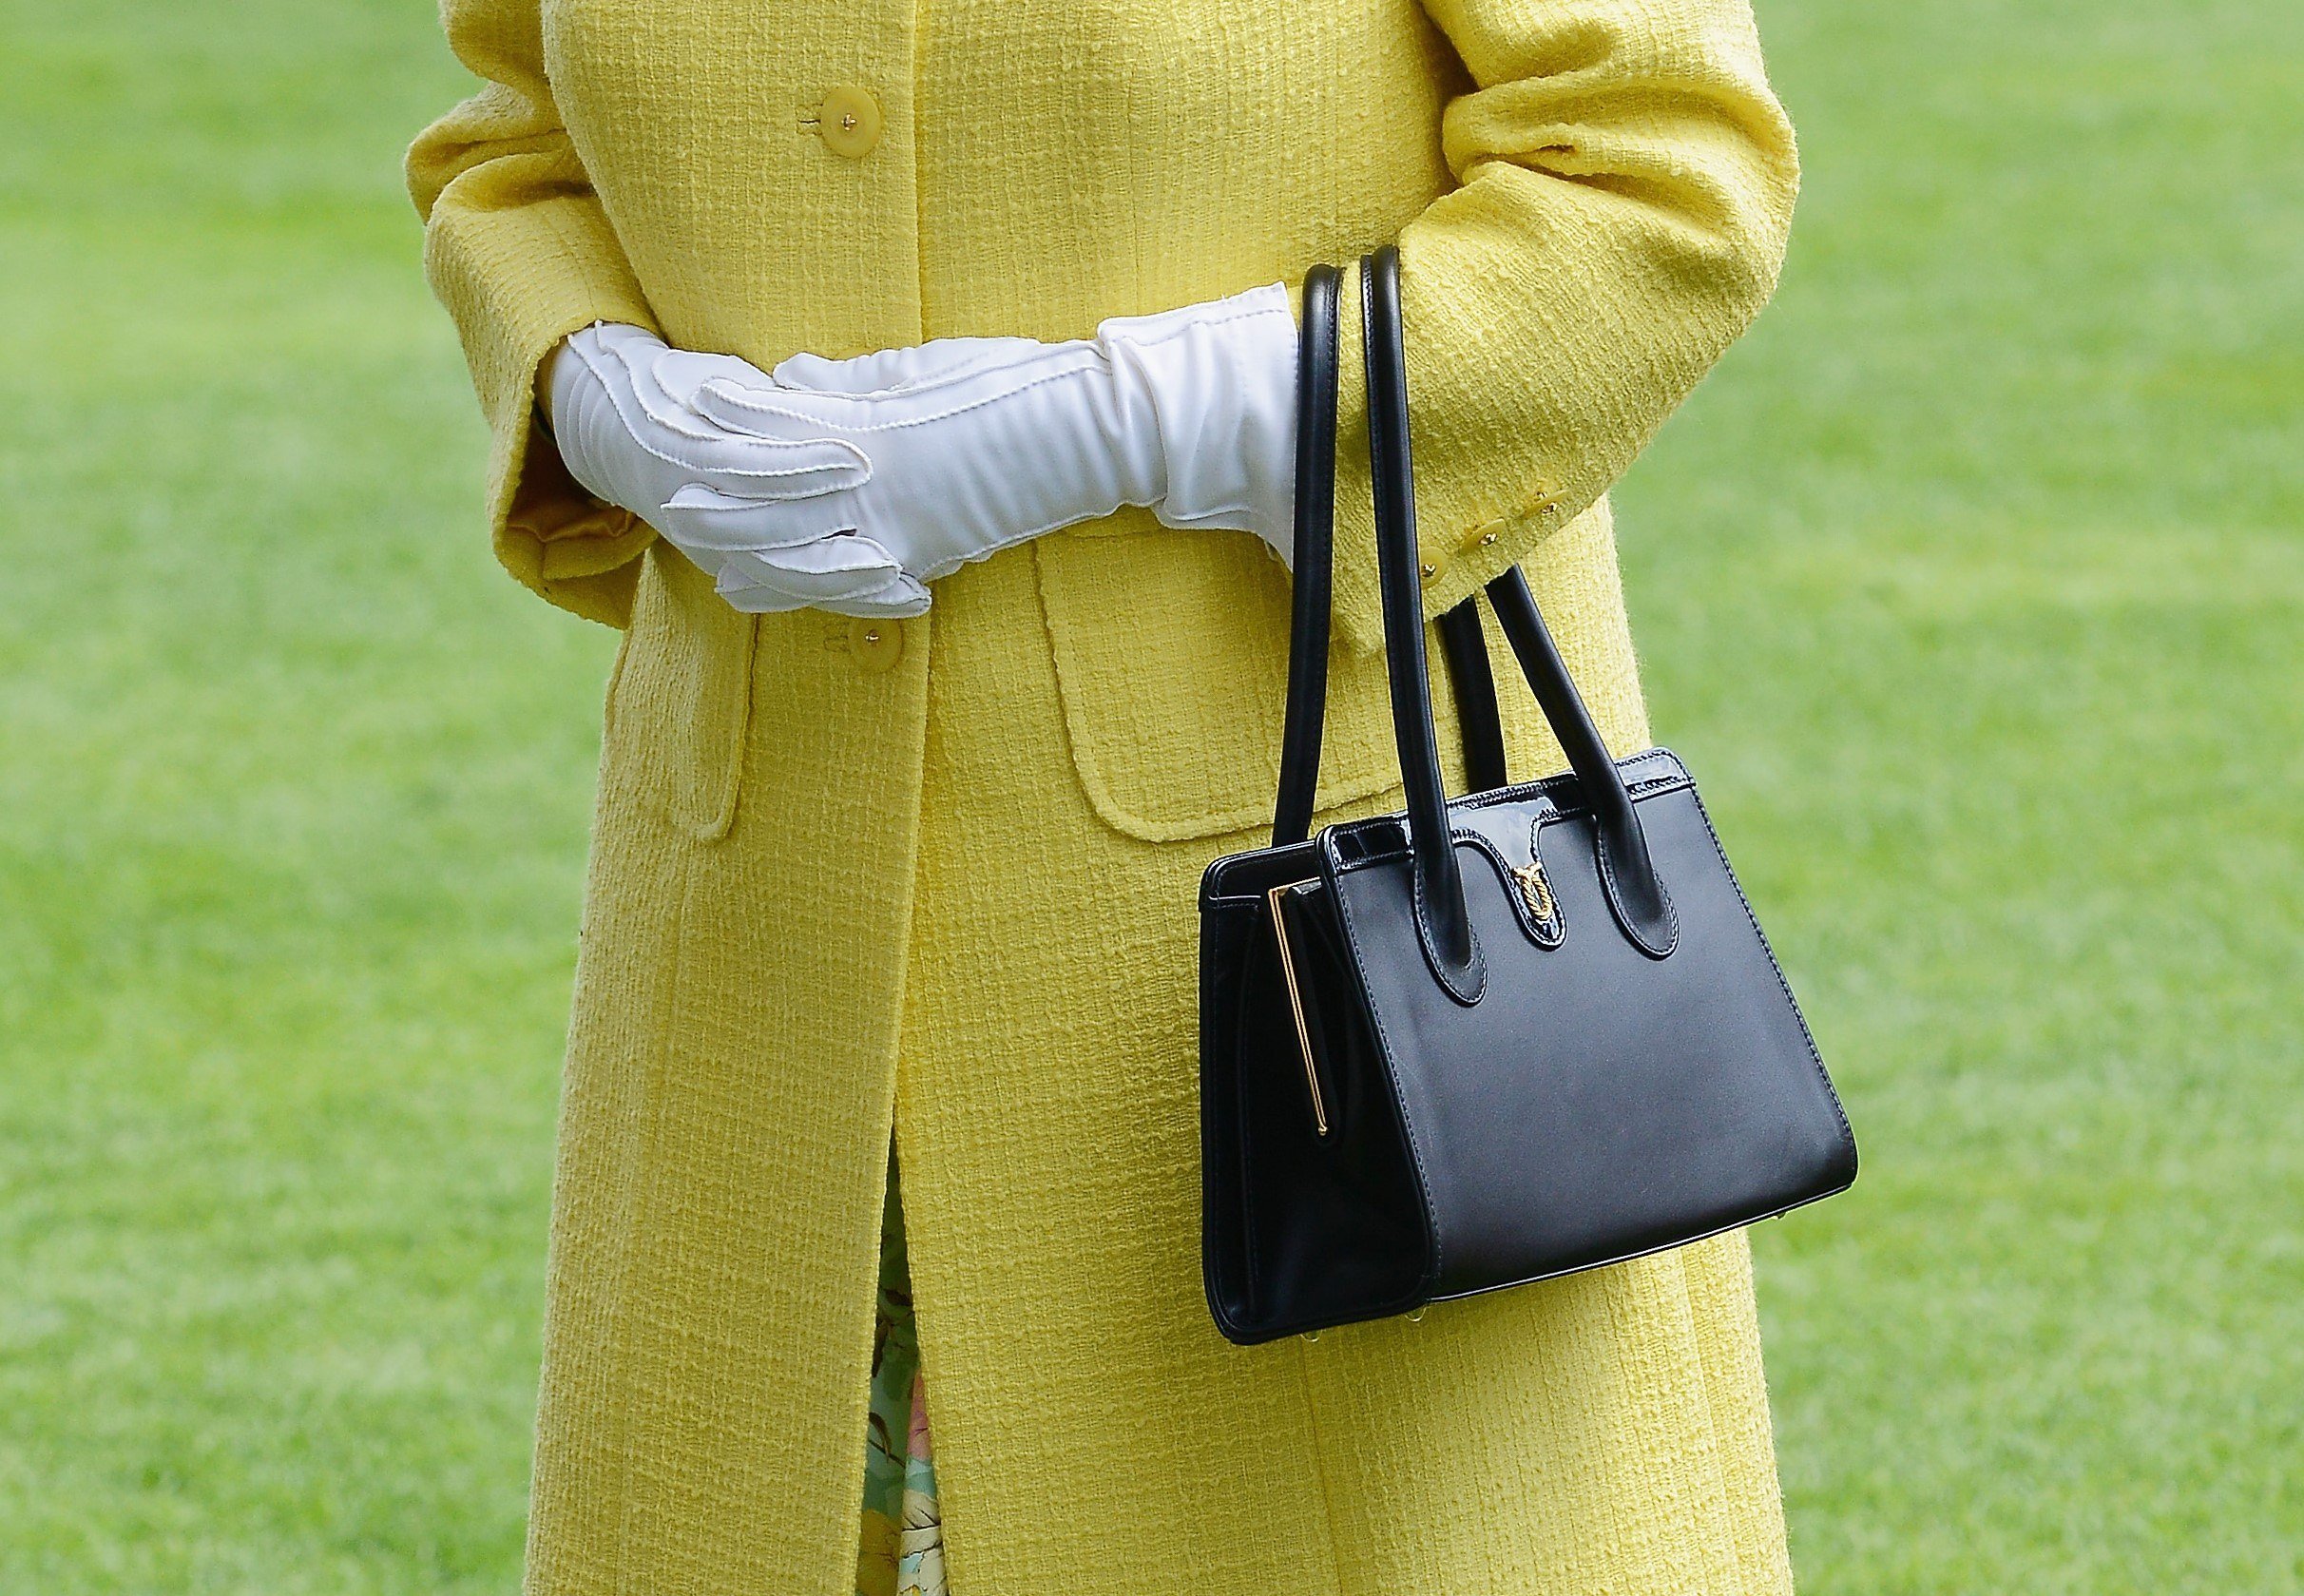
1972,584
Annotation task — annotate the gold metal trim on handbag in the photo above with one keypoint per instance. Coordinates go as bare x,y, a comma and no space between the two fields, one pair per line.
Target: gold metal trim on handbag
1295,1004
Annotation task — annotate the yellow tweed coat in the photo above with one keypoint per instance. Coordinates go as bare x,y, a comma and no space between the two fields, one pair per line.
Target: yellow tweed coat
937,875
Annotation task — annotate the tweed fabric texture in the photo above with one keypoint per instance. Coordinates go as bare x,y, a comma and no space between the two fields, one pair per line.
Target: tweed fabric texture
941,882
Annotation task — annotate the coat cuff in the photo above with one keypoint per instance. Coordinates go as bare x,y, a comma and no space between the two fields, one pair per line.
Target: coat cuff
1469,529
518,280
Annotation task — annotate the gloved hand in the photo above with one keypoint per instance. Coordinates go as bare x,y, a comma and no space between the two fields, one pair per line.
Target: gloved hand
622,407
907,464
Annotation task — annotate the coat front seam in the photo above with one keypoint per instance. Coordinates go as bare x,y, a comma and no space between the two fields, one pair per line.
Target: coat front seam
658,1064
1320,1467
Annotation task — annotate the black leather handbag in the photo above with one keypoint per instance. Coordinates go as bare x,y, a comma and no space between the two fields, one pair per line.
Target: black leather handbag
1497,1038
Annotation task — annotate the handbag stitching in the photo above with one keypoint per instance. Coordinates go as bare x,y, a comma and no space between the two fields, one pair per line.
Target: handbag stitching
1432,960
1212,906
1616,904
1831,1093
1550,786
1526,792
1536,933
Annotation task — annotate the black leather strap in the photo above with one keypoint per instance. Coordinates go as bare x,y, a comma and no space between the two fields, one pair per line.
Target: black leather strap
1477,714
1641,902
1316,505
1314,531
1442,923
1642,905
1459,629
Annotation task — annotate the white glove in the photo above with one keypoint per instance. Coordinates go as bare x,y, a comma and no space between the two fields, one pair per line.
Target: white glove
622,414
977,444
898,468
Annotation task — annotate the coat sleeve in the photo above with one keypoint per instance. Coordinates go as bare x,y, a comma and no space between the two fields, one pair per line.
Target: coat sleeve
518,249
1625,183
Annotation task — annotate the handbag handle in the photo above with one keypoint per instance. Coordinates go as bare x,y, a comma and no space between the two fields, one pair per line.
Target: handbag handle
1314,527
1442,923
1642,906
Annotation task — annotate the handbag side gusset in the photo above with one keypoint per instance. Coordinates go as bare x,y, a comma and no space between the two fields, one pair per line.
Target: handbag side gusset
1249,1295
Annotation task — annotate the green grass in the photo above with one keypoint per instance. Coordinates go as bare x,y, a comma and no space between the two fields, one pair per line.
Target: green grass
1972,585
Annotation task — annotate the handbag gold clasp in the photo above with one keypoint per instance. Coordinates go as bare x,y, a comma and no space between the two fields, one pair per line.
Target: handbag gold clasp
1296,1006
1536,889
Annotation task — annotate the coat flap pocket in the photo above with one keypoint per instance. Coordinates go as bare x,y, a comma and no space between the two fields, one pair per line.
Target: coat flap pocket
1171,651
680,698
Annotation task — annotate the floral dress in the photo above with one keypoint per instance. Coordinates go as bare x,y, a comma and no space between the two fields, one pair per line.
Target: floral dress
901,1551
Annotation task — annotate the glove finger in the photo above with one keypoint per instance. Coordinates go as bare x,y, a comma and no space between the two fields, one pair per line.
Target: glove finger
906,596
635,358
830,569
758,467
753,411
844,554
759,588
619,336
931,396
610,348
751,465
736,523
678,372
796,457
753,598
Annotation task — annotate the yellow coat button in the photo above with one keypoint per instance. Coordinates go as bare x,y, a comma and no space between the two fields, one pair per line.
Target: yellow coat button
1487,535
1546,499
877,645
850,120
1434,564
